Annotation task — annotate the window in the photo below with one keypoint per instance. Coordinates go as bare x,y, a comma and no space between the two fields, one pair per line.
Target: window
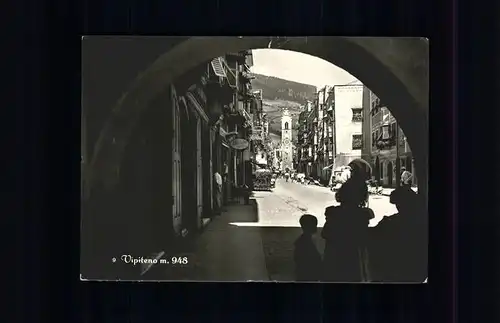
393,130
385,132
286,125
357,141
357,115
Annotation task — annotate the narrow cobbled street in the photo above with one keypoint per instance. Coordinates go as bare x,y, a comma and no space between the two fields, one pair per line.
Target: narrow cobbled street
255,242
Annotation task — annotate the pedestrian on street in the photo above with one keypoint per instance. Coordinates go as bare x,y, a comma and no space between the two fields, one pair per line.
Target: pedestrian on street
345,233
306,256
225,185
218,193
406,177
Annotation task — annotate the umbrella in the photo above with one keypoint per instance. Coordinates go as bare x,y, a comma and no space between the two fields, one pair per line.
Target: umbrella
361,167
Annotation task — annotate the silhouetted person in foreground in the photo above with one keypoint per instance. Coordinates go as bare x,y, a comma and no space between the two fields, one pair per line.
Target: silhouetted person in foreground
345,234
398,247
306,256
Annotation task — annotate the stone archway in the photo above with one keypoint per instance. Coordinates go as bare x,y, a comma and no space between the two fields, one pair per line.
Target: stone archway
395,69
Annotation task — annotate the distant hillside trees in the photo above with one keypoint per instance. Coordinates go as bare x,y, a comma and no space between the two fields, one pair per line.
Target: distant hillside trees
278,93
274,88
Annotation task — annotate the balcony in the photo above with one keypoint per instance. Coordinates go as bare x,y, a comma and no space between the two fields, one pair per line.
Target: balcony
385,144
376,106
236,79
239,57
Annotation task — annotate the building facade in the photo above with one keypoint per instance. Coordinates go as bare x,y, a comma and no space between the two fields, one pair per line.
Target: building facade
304,139
259,134
386,148
347,122
330,133
212,106
326,147
348,117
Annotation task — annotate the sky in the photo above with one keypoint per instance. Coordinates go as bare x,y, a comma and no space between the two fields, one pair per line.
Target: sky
298,67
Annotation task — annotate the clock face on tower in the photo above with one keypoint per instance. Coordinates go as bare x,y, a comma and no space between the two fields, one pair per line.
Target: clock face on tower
286,141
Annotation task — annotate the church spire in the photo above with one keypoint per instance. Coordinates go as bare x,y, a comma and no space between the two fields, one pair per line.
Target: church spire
286,140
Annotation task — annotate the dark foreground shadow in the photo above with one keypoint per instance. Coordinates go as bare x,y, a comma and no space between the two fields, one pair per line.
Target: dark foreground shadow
233,247
243,253
247,213
231,252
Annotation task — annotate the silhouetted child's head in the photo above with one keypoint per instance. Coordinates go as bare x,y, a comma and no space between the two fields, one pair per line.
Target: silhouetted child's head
309,224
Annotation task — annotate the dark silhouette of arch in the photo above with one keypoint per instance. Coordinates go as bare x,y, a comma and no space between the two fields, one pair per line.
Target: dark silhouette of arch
390,174
395,69
377,169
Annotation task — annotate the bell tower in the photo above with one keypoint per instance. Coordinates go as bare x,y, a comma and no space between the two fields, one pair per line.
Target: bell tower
286,140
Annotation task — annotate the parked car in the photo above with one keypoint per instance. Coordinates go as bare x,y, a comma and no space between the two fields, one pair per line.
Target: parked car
263,180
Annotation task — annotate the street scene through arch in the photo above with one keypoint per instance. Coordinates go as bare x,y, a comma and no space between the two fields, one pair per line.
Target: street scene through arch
227,157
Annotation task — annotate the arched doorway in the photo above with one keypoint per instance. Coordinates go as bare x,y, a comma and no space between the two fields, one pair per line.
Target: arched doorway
377,169
390,174
395,69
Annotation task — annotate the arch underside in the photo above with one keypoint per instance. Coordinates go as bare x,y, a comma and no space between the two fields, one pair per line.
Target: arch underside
394,69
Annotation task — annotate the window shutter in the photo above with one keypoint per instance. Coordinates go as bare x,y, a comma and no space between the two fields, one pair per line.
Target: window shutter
218,67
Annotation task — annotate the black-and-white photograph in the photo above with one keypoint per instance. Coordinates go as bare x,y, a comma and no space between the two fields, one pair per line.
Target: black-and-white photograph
270,159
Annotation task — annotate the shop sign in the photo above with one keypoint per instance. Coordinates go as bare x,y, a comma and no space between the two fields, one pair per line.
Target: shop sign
239,144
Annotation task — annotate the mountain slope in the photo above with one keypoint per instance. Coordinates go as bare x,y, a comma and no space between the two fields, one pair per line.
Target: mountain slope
278,94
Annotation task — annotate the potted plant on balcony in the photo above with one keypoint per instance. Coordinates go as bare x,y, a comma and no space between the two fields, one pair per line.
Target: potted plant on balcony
381,144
